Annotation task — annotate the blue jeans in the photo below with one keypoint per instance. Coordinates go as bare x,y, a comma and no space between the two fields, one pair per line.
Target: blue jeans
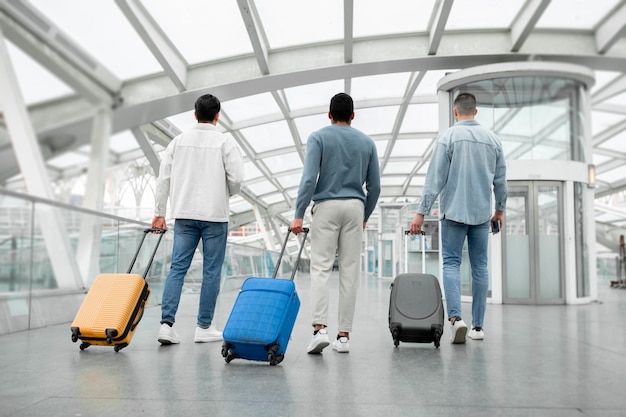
453,236
187,234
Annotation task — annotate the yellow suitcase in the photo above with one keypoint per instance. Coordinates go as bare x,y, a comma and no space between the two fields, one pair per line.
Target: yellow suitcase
114,305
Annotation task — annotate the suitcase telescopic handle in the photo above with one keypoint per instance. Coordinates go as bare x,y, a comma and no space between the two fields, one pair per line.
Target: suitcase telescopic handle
282,252
406,251
155,230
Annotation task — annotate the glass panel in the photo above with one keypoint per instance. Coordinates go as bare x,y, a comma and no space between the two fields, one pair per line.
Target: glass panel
318,22
250,107
372,251
182,25
132,60
483,14
387,258
309,124
410,147
26,272
374,121
31,77
379,86
370,19
15,244
269,136
517,253
288,181
183,121
390,219
399,168
421,118
313,95
581,14
549,238
533,116
284,162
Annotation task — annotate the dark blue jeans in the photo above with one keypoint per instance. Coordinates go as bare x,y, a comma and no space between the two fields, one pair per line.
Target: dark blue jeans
187,234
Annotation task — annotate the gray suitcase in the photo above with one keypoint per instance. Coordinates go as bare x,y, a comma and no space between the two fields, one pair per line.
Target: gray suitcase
416,307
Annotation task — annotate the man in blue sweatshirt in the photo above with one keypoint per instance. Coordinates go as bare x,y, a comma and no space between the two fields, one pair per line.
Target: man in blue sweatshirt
340,161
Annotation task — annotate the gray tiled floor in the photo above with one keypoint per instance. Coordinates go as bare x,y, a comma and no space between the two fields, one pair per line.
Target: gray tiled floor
535,361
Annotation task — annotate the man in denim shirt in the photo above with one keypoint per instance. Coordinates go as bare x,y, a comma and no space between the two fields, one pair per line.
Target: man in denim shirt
467,164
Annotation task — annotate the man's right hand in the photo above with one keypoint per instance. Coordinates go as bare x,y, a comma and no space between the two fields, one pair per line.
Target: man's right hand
296,226
159,223
416,224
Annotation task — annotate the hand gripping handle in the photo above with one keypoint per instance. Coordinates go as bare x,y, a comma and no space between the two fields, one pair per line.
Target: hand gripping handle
282,252
156,230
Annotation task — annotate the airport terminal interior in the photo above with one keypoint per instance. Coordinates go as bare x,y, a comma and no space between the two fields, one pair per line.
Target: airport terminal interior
91,94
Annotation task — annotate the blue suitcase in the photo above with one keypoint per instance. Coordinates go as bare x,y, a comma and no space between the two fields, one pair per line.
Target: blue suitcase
263,316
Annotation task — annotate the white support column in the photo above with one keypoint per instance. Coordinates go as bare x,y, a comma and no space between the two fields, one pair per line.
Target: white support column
30,161
569,246
88,249
589,200
437,25
148,149
259,220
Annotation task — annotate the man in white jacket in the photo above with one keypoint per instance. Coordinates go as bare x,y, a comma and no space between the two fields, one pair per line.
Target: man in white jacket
201,169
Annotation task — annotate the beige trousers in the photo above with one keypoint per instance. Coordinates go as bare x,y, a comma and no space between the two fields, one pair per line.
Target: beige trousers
337,227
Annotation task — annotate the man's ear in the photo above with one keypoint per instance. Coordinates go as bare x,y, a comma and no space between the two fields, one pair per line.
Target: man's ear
352,116
330,116
217,116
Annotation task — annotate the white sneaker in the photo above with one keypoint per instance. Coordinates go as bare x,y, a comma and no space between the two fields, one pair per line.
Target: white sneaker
476,333
342,344
167,335
459,330
318,342
207,335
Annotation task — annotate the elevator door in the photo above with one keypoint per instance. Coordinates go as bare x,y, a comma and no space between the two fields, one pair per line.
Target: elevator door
533,258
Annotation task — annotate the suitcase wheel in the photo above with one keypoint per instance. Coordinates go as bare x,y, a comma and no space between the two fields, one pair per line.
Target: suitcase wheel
84,345
226,353
272,357
438,334
225,349
395,335
75,334
275,359
119,347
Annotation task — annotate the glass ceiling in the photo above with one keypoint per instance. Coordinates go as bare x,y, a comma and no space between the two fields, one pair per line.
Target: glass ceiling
276,63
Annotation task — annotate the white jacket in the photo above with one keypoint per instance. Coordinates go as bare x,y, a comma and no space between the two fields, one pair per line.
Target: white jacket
200,170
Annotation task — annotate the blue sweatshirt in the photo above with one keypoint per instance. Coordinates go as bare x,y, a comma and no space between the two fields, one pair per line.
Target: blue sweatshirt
466,167
339,161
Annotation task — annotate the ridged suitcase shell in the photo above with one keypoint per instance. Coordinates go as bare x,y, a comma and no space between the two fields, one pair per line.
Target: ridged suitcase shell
114,304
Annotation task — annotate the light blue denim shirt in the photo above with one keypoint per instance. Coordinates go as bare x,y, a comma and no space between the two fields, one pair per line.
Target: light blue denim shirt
467,165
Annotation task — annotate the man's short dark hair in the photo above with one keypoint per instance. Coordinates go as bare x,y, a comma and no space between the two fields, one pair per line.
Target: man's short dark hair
207,106
341,107
465,104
